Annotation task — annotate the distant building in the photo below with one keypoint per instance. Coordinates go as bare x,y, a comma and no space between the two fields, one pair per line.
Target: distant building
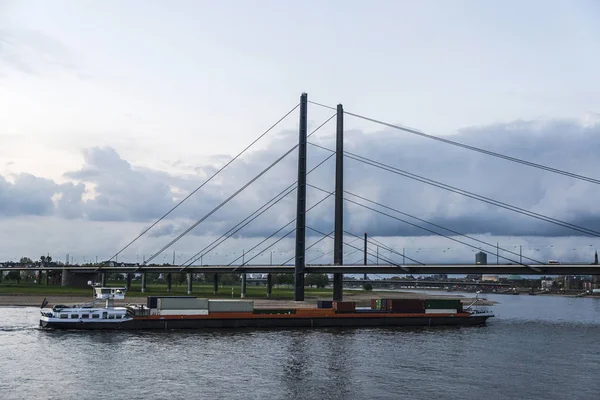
490,278
110,263
576,282
481,258
547,284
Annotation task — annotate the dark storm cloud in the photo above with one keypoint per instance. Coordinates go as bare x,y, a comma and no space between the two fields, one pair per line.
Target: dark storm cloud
31,195
124,193
28,195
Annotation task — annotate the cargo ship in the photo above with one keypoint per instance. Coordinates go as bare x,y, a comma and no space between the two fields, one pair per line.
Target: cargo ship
188,312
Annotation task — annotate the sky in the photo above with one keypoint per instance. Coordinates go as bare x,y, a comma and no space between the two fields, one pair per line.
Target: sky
111,112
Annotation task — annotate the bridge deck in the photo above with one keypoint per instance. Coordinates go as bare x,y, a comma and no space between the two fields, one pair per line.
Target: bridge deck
501,269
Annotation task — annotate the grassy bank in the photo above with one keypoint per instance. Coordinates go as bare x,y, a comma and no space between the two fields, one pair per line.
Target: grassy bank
156,289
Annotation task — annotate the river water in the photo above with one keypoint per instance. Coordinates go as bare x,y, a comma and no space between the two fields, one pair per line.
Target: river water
536,347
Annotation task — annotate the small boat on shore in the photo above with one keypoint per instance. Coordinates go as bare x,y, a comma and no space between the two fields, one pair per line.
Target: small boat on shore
189,312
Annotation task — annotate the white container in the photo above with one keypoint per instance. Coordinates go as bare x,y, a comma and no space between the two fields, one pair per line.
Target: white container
440,311
230,306
165,303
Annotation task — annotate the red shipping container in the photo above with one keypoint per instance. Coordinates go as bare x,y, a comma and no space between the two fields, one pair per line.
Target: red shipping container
344,306
406,305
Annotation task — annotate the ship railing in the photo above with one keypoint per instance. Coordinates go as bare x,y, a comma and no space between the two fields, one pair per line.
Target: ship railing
475,311
473,304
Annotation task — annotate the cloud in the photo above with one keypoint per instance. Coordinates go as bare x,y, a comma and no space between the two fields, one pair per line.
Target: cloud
109,189
28,195
122,194
86,240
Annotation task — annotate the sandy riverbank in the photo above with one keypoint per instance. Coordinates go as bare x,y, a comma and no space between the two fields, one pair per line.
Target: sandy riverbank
361,298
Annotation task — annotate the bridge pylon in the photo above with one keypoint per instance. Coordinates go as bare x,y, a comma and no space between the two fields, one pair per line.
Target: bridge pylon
300,260
338,235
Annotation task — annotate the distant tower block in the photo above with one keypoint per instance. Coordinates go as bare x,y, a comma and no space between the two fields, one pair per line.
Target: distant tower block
481,258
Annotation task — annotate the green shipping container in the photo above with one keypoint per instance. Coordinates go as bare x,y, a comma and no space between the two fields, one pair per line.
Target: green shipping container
443,304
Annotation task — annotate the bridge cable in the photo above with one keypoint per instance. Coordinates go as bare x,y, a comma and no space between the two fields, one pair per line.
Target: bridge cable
249,219
260,252
230,233
372,241
325,254
360,260
385,247
347,244
442,227
276,232
198,222
204,183
311,246
440,234
426,229
352,252
469,147
465,193
476,196
233,230
358,248
194,225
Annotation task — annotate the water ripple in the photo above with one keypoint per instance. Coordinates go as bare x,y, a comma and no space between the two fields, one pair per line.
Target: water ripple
534,346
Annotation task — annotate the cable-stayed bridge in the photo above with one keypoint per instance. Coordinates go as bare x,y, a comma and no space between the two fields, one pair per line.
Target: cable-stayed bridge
512,262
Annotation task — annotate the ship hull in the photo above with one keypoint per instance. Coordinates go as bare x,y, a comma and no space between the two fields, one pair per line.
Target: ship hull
270,322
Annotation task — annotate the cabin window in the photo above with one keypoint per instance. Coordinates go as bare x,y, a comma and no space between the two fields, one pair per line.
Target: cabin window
85,316
74,316
63,316
95,315
111,316
118,316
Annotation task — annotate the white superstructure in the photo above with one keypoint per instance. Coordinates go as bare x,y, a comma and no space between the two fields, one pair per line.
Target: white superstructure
88,312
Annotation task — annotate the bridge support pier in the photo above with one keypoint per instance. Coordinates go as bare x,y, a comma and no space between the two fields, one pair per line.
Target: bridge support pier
143,282
300,261
128,280
269,285
46,277
39,279
189,282
338,236
365,256
103,278
215,283
169,282
243,286
338,287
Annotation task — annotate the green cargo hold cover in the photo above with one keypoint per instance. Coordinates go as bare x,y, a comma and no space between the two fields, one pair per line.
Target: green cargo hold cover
443,304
